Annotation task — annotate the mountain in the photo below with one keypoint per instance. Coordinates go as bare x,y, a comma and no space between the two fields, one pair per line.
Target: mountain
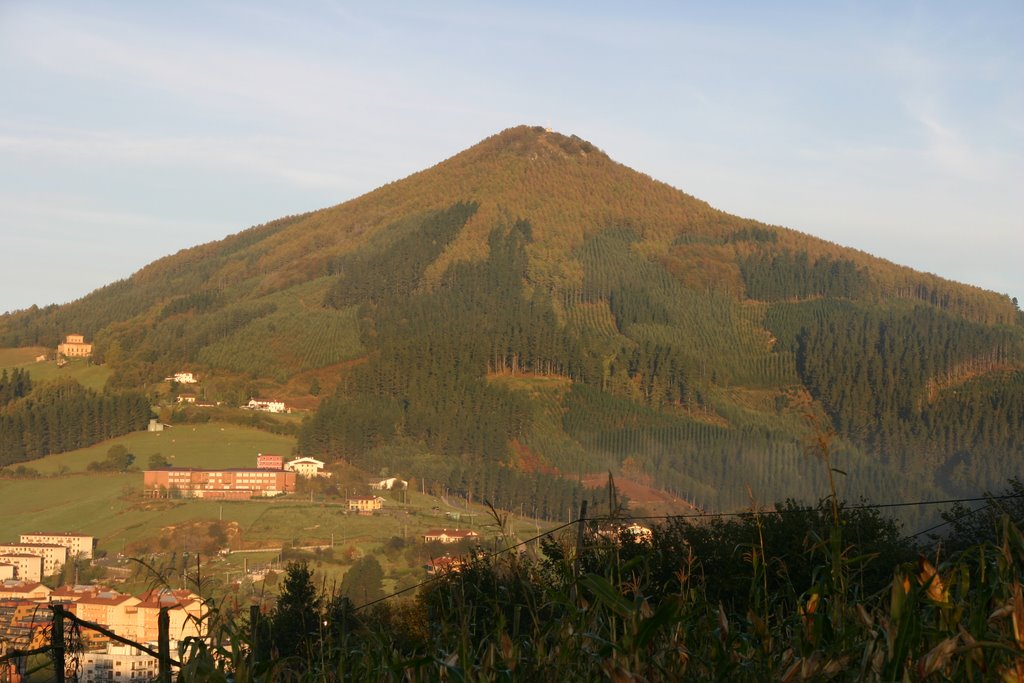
530,307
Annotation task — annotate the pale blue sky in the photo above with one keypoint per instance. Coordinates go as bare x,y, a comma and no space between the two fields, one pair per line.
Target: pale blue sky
131,130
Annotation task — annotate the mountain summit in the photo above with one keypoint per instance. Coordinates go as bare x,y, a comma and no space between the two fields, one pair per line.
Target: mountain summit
530,307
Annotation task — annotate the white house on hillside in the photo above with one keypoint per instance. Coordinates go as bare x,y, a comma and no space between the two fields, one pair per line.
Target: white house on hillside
391,483
74,346
310,468
449,535
266,406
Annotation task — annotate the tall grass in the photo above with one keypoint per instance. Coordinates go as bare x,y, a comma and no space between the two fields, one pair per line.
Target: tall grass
624,610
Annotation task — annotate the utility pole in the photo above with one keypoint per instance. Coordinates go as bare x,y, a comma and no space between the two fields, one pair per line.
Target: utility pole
579,548
57,643
164,646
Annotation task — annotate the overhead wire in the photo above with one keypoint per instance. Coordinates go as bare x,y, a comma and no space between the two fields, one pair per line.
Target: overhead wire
485,556
990,501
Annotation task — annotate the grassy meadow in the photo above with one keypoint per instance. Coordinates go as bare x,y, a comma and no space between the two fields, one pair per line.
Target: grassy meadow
203,445
69,497
16,358
109,506
87,374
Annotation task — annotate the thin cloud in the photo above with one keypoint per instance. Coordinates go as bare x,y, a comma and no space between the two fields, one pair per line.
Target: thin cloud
266,156
214,73
72,214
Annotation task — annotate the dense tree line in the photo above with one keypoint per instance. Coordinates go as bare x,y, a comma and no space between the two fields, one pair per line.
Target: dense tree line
534,494
973,431
909,385
194,302
426,378
14,385
968,524
142,355
754,233
707,334
62,416
792,533
430,355
712,465
656,372
287,341
788,275
395,270
362,582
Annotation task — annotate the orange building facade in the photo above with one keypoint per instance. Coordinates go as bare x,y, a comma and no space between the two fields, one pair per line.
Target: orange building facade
234,484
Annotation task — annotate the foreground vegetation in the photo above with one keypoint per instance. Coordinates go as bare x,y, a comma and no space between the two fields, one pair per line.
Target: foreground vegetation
804,593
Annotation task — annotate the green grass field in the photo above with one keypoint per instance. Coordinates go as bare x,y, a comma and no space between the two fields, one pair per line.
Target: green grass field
15,358
87,374
109,506
101,505
206,445
106,505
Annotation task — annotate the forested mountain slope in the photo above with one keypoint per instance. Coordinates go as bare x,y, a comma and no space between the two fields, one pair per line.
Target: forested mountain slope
531,307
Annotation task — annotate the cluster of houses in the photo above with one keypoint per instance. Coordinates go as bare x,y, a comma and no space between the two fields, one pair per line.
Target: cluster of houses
74,346
188,380
272,476
367,505
25,620
267,405
37,555
26,617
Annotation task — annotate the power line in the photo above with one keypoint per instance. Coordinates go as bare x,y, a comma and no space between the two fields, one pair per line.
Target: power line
989,500
859,506
486,556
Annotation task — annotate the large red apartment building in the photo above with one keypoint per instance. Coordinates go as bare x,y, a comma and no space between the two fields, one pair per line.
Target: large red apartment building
232,484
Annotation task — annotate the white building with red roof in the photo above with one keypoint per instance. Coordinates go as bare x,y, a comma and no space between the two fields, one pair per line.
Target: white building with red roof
449,535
